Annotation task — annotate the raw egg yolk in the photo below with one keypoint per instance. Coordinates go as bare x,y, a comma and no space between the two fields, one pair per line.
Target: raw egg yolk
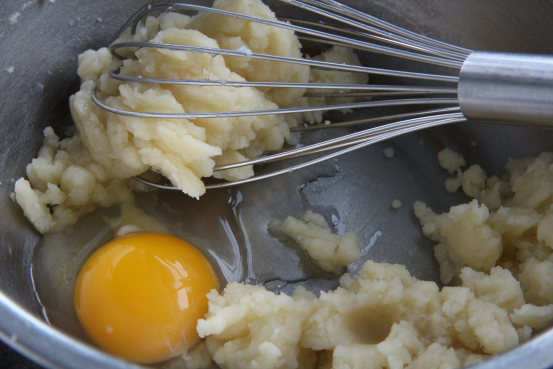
140,296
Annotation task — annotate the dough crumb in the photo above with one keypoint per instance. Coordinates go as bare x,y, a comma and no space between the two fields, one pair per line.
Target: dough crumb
396,204
507,225
389,152
386,317
14,17
450,160
313,234
382,315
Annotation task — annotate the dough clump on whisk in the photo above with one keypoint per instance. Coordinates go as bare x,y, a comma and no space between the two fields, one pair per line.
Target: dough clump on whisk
72,177
183,150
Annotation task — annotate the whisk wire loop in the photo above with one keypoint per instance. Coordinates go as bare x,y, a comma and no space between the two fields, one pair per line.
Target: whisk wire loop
345,89
229,114
340,142
393,29
346,30
376,33
394,117
313,63
360,45
372,136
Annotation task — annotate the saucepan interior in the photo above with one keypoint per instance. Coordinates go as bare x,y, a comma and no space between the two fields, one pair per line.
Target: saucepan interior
39,44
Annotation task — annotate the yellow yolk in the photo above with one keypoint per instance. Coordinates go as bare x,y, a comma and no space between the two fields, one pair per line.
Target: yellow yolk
140,296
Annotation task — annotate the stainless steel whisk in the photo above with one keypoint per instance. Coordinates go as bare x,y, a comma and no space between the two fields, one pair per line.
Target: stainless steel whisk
491,87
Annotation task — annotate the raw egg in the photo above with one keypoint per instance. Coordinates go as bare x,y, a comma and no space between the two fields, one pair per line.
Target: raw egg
140,296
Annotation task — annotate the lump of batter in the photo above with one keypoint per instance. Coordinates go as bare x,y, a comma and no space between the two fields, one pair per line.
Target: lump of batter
66,185
508,223
465,239
250,327
183,151
336,54
385,318
234,34
473,181
312,233
75,176
87,170
382,318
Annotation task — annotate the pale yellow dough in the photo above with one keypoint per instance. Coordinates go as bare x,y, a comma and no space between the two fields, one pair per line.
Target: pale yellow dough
502,261
73,177
382,318
234,34
312,233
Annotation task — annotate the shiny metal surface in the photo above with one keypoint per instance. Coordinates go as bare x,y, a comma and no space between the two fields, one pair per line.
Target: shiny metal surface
356,105
500,87
332,37
355,191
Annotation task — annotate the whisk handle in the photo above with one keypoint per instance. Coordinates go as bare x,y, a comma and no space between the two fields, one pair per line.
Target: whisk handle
507,88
